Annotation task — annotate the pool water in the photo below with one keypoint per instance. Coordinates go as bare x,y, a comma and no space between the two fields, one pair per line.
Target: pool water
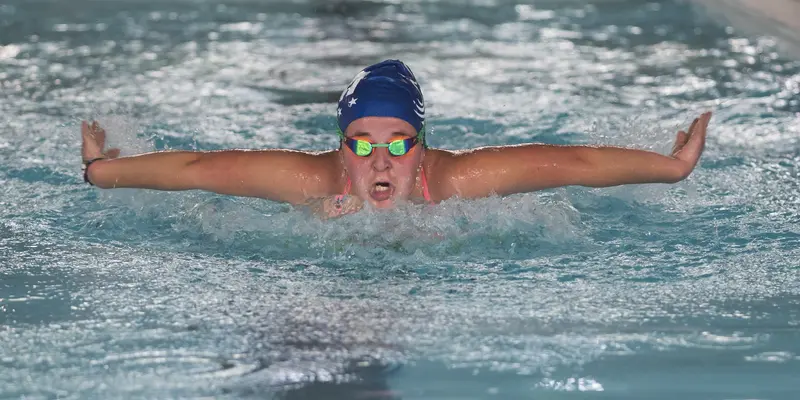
687,291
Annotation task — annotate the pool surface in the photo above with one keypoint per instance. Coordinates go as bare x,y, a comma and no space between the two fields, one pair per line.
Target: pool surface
688,291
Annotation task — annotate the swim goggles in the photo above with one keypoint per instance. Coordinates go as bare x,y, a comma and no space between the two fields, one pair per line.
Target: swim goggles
396,148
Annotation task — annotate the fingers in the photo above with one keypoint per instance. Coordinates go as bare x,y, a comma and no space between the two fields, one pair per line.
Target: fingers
98,133
704,126
94,140
694,123
698,131
680,141
91,129
88,146
693,147
700,123
88,131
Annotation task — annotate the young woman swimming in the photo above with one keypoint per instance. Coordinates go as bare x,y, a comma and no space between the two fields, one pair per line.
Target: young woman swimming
384,159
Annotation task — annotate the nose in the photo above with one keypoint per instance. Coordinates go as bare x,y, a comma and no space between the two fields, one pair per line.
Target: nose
381,160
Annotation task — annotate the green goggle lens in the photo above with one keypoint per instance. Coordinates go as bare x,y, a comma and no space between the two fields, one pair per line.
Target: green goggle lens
396,148
362,148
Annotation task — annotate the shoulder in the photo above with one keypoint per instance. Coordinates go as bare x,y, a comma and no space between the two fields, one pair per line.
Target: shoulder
434,159
467,172
438,169
275,159
327,168
317,173
442,165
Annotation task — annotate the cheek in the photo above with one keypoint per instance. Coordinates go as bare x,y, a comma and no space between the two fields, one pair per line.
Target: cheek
358,169
354,163
408,167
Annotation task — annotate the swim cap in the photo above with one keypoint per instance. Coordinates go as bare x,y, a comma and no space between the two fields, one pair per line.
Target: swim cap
385,89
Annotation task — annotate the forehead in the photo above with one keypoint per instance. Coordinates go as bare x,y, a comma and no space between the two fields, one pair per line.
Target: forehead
380,128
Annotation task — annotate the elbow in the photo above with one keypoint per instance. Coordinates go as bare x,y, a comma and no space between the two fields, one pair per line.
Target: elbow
196,158
584,157
194,168
585,167
216,172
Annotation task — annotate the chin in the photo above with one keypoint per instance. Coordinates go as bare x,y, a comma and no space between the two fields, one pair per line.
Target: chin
383,204
387,198
392,202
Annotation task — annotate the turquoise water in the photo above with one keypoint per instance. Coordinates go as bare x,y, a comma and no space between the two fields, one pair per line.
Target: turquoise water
684,291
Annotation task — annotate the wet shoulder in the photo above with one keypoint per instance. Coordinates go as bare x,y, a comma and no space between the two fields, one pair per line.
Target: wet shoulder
327,166
438,165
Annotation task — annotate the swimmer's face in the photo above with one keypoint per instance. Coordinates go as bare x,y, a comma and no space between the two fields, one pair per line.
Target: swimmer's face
381,178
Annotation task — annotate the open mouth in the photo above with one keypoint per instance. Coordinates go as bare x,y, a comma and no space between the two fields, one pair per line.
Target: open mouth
381,191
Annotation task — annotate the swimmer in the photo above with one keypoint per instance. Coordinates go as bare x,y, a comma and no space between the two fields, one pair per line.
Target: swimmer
384,159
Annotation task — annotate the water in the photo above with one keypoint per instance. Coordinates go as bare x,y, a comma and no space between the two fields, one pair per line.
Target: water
649,291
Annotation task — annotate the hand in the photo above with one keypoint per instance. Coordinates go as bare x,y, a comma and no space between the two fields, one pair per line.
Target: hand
94,141
335,206
689,146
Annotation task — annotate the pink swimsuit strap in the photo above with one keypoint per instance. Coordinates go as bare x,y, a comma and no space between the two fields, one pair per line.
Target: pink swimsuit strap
425,192
346,187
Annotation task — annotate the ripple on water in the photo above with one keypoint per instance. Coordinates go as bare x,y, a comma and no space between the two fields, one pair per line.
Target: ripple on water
571,290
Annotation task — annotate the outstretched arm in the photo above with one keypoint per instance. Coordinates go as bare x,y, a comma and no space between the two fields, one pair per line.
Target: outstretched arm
280,175
526,168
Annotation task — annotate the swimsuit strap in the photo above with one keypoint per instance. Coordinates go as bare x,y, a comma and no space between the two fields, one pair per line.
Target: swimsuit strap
347,187
425,191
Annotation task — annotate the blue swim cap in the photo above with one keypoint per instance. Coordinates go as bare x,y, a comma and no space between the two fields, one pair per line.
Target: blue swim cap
385,89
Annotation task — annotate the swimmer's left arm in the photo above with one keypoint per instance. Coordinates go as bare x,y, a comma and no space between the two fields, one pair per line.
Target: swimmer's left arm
525,168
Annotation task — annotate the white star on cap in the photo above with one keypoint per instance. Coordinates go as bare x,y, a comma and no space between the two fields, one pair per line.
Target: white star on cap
339,111
352,102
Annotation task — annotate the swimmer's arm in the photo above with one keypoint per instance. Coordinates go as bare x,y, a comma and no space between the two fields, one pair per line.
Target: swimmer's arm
526,168
279,175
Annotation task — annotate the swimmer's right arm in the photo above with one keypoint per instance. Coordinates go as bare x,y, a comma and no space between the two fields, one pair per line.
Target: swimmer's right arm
279,175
